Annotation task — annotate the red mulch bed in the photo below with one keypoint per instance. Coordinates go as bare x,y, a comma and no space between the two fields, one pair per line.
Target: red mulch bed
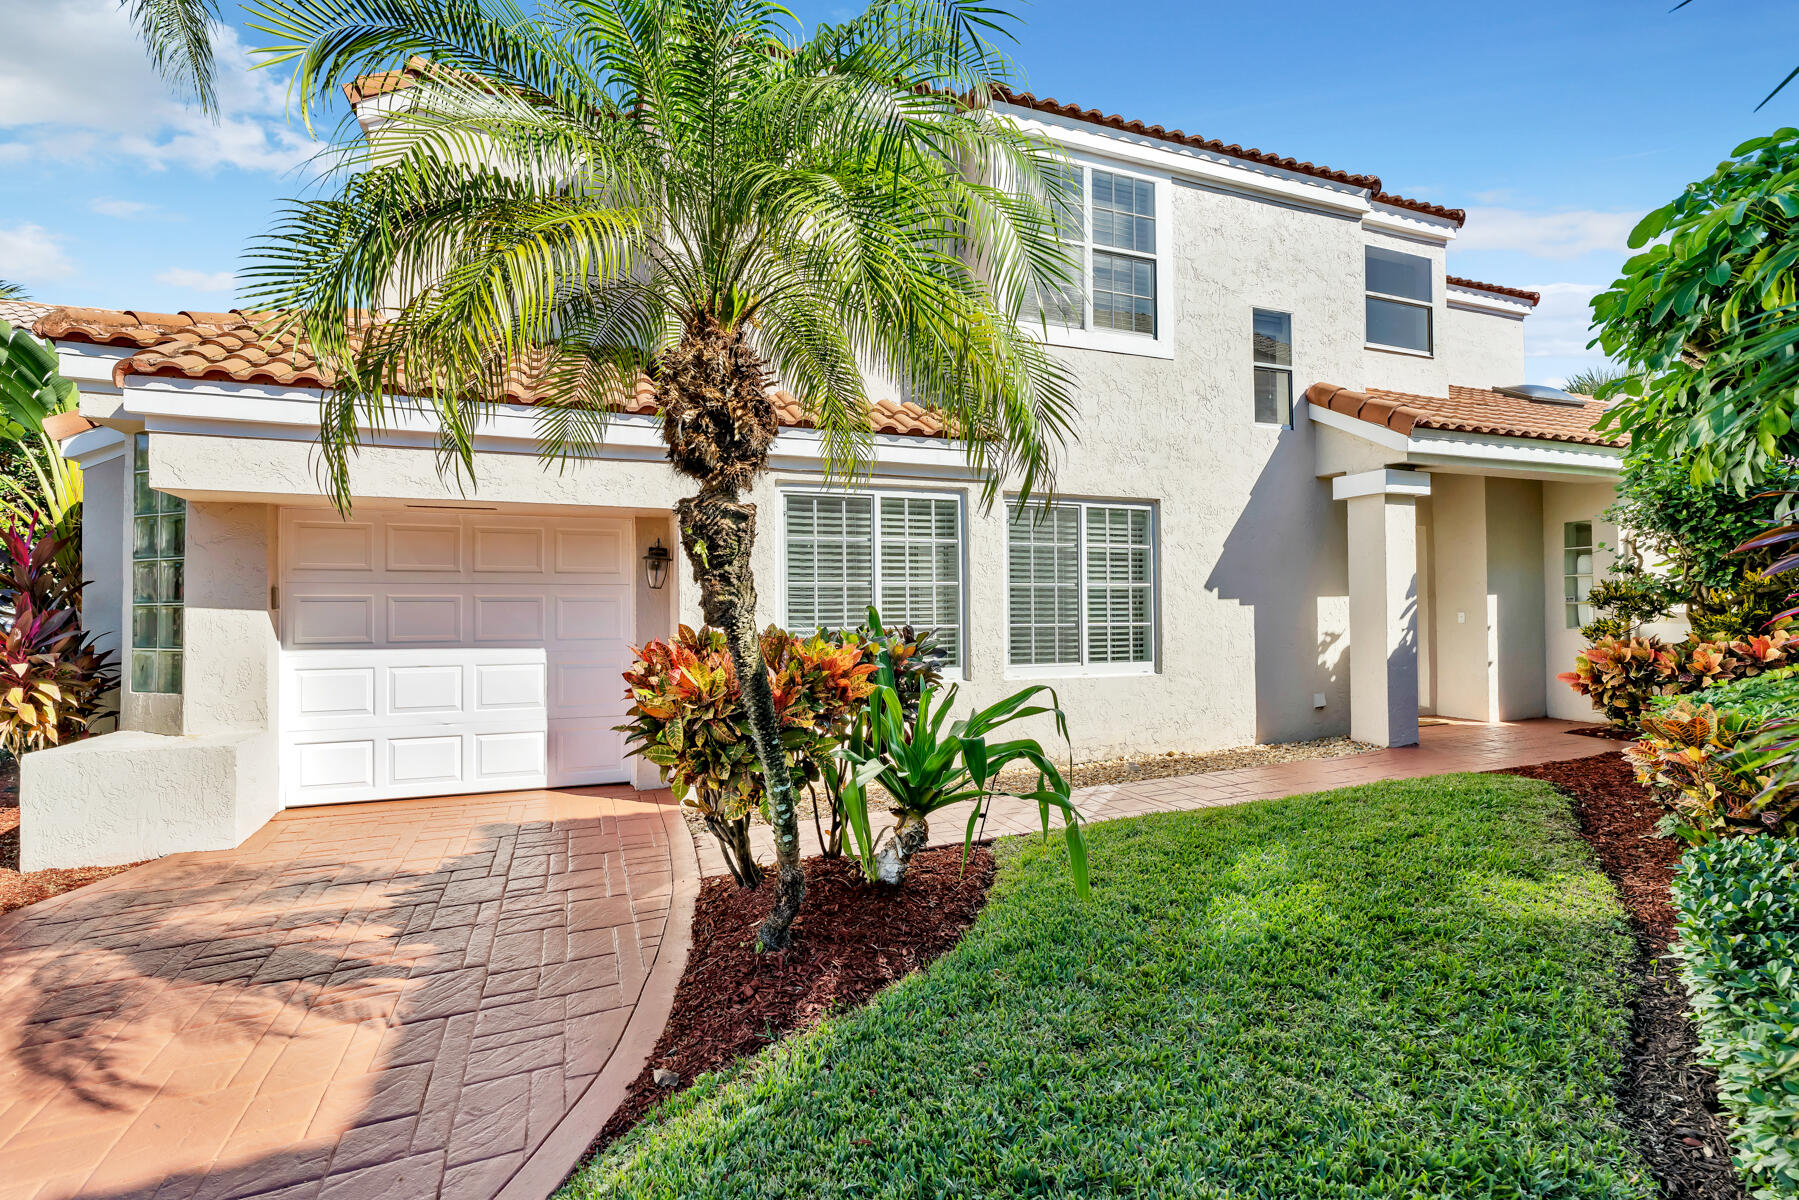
18,889
851,939
1666,1095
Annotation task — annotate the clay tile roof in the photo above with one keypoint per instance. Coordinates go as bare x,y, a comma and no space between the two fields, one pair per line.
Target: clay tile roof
1468,410
22,313
368,86
233,347
1497,289
109,327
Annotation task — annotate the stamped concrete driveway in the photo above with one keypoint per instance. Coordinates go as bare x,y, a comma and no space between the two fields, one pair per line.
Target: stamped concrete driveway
432,998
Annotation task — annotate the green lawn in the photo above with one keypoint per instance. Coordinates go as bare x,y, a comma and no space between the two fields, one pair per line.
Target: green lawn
1404,989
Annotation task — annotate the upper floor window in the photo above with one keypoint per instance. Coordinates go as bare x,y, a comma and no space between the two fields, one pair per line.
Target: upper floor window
900,553
1109,221
1272,340
1398,300
1080,585
158,550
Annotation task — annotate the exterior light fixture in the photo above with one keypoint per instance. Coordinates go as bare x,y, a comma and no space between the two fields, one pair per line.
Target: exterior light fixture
655,565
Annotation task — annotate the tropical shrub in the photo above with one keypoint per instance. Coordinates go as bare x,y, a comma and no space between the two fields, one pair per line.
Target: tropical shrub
1738,904
1693,757
688,718
1626,598
53,681
928,762
1623,675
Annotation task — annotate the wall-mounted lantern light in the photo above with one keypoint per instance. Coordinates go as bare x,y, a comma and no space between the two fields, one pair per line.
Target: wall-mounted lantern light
655,565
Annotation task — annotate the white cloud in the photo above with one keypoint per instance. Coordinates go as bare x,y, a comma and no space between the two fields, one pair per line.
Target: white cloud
1560,326
124,210
1553,235
198,281
76,85
30,253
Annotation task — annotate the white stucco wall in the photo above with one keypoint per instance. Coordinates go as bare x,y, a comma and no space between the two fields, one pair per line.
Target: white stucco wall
1484,349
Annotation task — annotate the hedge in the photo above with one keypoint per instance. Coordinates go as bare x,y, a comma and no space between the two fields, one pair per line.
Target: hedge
1739,946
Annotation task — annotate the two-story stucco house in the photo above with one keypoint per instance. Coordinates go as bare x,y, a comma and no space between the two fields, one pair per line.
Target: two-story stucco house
1298,506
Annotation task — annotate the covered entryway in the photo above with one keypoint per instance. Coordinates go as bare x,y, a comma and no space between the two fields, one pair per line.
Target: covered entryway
433,651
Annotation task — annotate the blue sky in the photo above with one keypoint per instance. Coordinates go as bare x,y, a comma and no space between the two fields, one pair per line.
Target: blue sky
1554,124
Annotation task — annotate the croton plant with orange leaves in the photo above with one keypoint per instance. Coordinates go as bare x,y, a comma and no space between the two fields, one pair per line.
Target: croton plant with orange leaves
1621,675
686,718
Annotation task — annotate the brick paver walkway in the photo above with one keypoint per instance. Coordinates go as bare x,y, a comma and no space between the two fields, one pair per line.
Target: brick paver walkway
1462,746
411,999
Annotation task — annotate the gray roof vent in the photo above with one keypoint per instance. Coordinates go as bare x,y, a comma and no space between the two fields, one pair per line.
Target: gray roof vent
1539,393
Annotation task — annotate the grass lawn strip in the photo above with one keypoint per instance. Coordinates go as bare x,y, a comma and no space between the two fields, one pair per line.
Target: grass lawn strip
1410,988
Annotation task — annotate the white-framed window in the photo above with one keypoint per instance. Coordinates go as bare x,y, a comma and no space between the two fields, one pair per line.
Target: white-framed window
1115,224
1399,309
1577,571
898,551
158,560
1080,586
1271,340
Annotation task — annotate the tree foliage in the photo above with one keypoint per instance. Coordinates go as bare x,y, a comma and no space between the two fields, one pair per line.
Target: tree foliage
1703,320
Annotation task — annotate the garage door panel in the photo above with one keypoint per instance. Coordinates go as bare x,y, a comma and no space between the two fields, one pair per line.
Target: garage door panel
330,545
332,620
477,654
415,546
424,618
436,759
509,619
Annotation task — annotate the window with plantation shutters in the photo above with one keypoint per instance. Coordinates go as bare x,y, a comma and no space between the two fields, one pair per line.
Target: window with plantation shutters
899,553
1108,221
1081,585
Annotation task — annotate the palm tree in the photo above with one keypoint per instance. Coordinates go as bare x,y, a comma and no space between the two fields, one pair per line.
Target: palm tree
13,291
1588,380
684,189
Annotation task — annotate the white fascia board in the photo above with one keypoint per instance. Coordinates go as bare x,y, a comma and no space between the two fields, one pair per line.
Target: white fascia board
224,409
93,446
1388,218
1475,452
90,366
1184,162
1385,482
1474,300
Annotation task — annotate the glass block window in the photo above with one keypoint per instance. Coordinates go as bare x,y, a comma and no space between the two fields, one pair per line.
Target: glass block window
900,553
1081,585
1272,348
1577,571
1398,301
158,547
1108,221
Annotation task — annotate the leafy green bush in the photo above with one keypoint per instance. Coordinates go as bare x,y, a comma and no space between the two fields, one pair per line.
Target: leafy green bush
1739,946
1772,695
1623,675
53,680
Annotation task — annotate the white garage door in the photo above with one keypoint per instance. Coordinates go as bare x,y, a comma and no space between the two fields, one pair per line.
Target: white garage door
426,653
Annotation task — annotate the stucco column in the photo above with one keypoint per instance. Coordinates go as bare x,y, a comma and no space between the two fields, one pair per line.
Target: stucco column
1383,603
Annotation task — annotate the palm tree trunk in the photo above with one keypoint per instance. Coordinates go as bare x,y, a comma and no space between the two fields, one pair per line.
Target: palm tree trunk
717,533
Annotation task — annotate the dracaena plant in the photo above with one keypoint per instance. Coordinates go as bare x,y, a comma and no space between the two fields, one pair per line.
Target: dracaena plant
929,762
53,680
591,191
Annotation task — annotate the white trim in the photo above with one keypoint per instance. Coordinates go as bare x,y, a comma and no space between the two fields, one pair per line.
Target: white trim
1482,301
1384,349
88,365
1384,482
91,447
1454,450
222,409
1390,218
1255,180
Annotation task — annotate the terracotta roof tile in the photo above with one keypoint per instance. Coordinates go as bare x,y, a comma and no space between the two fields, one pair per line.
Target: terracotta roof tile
1468,410
238,349
1497,289
369,86
22,313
